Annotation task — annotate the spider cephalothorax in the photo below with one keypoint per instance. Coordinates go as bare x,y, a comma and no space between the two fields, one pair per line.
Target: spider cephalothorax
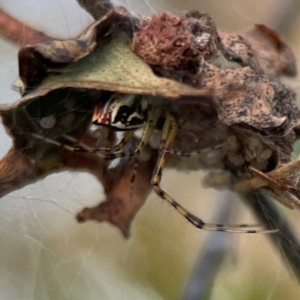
122,112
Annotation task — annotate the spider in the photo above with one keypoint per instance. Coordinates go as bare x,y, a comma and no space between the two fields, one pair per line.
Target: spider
128,113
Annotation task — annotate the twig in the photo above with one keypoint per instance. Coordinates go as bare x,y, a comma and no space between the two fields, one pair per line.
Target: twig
286,174
96,8
285,240
210,259
19,33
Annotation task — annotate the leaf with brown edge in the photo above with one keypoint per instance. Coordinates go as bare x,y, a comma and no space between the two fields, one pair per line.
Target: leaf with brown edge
100,58
42,57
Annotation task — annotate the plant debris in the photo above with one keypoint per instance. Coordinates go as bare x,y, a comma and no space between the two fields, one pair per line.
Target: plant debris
223,88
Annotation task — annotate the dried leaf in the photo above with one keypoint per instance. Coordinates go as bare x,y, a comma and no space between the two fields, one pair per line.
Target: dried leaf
59,112
122,203
274,56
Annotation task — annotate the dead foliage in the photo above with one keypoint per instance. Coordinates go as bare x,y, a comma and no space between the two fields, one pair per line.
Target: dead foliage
222,87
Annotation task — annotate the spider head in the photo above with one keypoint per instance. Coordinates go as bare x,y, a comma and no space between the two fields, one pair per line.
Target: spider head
122,112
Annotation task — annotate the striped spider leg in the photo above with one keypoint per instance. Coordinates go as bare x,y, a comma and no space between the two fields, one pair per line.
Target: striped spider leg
168,135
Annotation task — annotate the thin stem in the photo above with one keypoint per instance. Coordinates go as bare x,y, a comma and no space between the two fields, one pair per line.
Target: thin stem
19,33
96,8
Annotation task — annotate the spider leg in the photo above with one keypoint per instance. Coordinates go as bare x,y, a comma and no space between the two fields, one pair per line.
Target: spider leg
152,119
83,147
108,150
126,138
168,134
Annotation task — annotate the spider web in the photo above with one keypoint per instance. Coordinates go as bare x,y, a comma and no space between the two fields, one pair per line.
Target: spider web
45,254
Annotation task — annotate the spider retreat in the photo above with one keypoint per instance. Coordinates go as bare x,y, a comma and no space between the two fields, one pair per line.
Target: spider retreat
129,113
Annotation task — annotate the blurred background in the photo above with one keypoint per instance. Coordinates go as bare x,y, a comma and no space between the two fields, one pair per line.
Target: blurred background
45,254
